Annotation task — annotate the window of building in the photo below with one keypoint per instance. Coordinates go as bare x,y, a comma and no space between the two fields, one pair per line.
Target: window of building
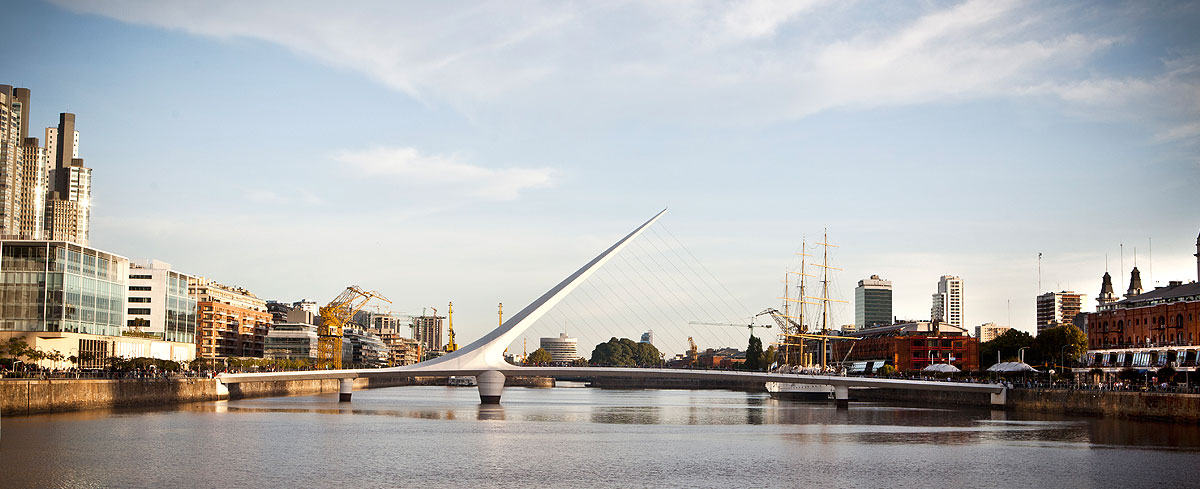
139,299
139,288
139,310
140,277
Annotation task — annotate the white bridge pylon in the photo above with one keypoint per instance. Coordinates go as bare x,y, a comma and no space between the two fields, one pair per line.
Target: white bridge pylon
484,358
487,353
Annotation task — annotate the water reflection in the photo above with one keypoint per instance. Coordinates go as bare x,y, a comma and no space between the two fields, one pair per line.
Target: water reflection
586,437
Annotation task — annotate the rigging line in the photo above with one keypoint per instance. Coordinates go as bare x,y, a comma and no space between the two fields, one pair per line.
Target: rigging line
689,252
649,314
699,303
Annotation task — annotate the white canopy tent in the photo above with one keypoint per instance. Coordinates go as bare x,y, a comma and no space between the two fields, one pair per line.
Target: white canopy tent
941,368
1005,367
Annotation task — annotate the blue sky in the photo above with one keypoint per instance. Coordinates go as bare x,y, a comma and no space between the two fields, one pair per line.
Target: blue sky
480,151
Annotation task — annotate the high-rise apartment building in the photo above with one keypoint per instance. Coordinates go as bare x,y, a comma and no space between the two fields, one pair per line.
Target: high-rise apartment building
22,169
1058,308
948,301
45,191
873,302
989,331
68,204
428,331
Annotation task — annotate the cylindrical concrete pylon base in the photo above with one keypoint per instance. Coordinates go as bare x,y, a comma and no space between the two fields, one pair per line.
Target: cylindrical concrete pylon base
491,384
345,388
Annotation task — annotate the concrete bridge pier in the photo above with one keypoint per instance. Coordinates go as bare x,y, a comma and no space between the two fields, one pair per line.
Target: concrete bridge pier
491,384
841,395
345,388
999,399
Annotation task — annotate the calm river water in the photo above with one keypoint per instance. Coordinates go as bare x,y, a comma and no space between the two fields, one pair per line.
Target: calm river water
581,437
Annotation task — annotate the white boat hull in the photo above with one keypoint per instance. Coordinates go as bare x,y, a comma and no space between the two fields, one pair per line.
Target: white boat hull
799,392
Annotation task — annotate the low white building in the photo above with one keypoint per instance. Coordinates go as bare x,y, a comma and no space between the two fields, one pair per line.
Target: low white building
561,349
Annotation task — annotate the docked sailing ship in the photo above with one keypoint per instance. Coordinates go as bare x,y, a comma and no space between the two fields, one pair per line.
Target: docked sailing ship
804,346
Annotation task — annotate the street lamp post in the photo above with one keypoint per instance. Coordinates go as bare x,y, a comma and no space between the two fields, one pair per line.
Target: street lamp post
1021,354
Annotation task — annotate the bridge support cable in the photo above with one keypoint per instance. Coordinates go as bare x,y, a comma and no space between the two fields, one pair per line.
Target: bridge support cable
706,270
642,293
681,288
625,296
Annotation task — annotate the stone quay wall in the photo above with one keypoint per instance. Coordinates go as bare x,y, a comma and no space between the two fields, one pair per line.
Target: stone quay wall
1122,404
32,396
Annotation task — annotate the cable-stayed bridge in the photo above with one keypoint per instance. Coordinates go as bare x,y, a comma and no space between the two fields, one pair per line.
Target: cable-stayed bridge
484,358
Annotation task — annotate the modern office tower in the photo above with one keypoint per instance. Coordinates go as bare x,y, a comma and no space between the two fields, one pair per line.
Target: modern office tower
989,331
873,302
1057,309
68,205
948,301
232,322
159,303
561,349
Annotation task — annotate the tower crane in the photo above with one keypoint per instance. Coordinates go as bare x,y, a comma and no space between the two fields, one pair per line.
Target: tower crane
334,317
751,325
451,346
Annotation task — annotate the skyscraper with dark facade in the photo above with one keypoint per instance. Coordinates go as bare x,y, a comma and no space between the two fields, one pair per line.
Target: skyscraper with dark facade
873,302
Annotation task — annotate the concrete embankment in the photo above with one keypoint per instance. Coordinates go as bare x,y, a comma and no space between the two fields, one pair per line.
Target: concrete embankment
1150,405
649,383
30,396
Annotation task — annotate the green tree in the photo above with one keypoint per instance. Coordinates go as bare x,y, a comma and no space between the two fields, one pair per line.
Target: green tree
886,369
1008,344
539,355
16,348
1061,343
754,354
769,356
625,352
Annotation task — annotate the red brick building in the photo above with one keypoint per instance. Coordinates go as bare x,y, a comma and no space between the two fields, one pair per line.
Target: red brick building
911,346
1165,316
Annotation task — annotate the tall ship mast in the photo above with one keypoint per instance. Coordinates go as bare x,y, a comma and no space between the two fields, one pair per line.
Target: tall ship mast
802,345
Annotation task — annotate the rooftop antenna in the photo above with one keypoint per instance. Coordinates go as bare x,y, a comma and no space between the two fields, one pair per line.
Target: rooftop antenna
1122,274
1039,273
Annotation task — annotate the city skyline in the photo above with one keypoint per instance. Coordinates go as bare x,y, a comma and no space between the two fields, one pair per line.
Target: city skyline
461,177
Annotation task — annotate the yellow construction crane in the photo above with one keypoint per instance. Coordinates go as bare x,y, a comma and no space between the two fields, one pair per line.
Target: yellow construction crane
693,352
451,346
333,317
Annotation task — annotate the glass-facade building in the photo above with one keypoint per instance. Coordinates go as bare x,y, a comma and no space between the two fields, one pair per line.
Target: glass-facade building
873,302
159,302
61,286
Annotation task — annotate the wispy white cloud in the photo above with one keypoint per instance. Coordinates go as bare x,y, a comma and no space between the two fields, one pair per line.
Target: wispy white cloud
758,61
448,173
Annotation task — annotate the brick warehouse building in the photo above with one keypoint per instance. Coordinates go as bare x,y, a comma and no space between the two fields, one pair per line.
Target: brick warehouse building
911,346
1147,329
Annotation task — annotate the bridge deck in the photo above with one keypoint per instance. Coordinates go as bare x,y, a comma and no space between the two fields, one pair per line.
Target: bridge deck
662,373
